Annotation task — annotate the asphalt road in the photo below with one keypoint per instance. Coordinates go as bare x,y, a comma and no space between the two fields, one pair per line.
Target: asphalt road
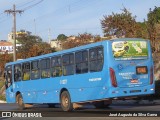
87,111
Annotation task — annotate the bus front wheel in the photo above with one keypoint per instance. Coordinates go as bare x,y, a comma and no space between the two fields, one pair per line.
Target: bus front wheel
20,102
66,104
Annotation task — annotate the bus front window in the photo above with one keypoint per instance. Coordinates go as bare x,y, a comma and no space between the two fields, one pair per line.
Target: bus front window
8,76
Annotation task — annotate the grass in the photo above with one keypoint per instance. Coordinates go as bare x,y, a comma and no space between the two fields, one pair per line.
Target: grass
2,97
1,84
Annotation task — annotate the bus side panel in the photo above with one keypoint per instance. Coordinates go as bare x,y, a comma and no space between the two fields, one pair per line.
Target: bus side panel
90,86
10,96
38,93
11,92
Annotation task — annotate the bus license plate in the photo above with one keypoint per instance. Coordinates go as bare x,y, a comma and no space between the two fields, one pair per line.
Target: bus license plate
141,70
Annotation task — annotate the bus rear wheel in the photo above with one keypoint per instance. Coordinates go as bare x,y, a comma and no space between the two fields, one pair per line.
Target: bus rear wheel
66,104
20,102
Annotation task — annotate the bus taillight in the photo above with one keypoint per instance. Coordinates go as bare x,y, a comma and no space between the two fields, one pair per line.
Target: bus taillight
151,75
113,77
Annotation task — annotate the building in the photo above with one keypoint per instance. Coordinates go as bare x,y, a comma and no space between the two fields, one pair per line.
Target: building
18,34
55,44
6,47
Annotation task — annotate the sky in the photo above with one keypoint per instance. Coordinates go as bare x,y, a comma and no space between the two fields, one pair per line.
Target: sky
49,18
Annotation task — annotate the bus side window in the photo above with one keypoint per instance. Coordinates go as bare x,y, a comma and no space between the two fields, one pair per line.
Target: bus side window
81,61
100,59
93,59
45,68
17,72
84,63
68,64
56,66
78,60
35,70
96,59
26,71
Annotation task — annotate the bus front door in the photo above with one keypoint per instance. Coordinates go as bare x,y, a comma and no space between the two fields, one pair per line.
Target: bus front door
8,84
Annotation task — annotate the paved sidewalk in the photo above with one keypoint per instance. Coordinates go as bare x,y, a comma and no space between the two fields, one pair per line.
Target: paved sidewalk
1,101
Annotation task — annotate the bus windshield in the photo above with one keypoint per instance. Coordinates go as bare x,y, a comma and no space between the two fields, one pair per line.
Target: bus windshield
129,50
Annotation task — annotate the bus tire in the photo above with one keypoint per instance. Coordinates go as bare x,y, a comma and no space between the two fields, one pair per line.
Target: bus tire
66,103
100,104
20,102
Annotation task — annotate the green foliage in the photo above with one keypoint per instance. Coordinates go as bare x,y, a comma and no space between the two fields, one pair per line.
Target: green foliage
62,37
81,39
2,97
4,58
41,48
154,16
26,43
32,46
142,30
123,24
152,23
1,84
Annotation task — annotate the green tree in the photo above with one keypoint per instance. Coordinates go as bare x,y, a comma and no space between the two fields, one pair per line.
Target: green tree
31,46
26,42
123,24
40,49
81,39
4,58
152,25
142,30
62,37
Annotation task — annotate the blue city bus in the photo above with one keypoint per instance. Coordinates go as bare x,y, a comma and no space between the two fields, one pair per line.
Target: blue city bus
95,73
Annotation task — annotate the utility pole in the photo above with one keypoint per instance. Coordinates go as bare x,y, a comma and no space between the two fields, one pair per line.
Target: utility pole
49,35
35,27
13,12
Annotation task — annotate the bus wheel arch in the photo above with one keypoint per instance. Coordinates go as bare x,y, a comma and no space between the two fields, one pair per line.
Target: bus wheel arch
65,100
17,93
19,100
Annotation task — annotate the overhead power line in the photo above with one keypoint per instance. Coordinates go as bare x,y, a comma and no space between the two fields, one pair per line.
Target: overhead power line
3,20
77,3
26,8
31,6
26,3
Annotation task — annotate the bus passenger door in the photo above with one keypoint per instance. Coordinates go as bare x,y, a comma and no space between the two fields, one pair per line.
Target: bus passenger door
8,84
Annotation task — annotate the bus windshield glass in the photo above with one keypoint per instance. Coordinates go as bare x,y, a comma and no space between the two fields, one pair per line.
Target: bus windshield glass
129,50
